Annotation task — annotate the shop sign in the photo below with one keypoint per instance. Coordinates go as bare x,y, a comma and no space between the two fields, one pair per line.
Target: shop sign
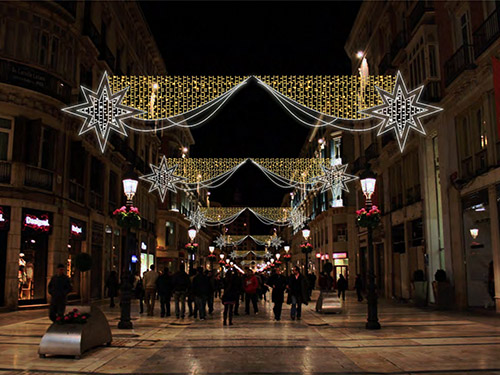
77,229
40,223
4,217
339,255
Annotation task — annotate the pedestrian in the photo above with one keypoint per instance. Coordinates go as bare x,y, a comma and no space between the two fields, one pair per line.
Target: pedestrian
230,296
358,285
250,286
342,286
201,290
150,278
59,287
180,287
210,300
139,291
278,282
164,287
297,293
193,310
238,285
112,286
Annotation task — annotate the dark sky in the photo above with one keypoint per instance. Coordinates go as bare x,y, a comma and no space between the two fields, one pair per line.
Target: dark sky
243,38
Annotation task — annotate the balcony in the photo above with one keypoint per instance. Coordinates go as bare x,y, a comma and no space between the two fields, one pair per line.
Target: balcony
432,92
486,34
76,192
418,13
91,31
460,61
96,200
385,64
398,44
38,178
5,168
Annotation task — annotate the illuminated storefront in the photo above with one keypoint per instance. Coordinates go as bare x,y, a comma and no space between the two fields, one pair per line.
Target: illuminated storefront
76,244
4,230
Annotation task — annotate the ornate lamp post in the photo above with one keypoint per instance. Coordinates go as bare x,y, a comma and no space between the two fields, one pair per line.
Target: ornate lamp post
306,246
192,248
129,188
211,256
368,182
287,257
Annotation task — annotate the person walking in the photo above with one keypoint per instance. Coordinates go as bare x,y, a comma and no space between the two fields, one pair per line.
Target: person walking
150,278
139,291
190,296
250,286
342,286
213,287
238,281
278,283
311,280
164,287
112,286
201,291
358,285
230,296
180,287
297,293
59,287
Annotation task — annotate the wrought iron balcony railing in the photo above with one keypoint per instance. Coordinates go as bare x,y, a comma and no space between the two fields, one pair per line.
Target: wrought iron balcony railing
487,33
461,60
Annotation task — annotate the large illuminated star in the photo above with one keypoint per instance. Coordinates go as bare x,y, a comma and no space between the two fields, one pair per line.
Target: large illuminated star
103,111
401,111
162,178
197,219
334,178
297,219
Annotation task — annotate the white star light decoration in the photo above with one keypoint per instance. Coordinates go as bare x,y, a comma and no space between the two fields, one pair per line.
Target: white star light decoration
297,219
401,111
197,219
103,111
276,242
334,177
220,242
162,178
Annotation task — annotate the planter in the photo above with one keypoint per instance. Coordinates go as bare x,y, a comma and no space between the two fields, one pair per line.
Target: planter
420,293
443,293
328,302
75,339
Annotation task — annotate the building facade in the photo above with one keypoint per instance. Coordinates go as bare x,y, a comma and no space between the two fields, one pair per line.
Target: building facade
57,190
439,197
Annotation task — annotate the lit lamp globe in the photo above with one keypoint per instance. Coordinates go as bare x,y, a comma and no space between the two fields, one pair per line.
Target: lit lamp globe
221,256
287,248
474,232
368,181
318,255
192,233
211,249
278,255
306,232
129,188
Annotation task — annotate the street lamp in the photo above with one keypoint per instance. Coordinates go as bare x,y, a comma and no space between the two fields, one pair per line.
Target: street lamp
368,181
306,232
192,234
287,257
129,188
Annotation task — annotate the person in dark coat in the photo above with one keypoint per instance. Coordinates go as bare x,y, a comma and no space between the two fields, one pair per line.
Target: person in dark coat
297,293
59,287
238,281
180,286
358,285
112,286
311,280
164,288
139,291
201,291
213,287
342,286
278,282
230,296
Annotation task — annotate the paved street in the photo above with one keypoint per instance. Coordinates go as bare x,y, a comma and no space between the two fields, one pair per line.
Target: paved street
411,341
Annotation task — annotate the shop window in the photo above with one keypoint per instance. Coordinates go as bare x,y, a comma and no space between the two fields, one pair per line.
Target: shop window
6,139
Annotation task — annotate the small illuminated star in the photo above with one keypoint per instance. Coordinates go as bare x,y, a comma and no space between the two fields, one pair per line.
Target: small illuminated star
297,219
162,178
401,111
334,178
220,242
276,242
268,255
103,111
197,219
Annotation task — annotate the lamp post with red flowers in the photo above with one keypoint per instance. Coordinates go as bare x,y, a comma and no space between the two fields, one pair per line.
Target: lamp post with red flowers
369,218
192,247
287,257
306,247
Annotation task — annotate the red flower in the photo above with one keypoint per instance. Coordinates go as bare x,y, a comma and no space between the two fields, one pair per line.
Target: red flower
84,317
195,245
66,318
58,318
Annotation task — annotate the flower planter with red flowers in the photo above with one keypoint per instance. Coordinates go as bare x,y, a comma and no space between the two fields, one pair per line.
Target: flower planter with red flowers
368,219
130,218
73,317
306,248
191,248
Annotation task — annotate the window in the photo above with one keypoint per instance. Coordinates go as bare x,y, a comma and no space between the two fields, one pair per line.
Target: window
49,140
411,178
54,53
44,48
6,137
396,186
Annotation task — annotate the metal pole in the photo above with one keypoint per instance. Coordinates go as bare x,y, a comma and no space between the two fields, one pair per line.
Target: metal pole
126,284
372,297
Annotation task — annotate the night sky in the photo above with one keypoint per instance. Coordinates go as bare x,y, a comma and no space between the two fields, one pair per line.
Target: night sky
243,38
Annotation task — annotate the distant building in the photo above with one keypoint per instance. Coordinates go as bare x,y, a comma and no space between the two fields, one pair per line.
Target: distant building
445,186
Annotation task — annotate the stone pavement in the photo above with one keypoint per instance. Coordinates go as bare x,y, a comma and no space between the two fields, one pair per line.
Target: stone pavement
411,341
